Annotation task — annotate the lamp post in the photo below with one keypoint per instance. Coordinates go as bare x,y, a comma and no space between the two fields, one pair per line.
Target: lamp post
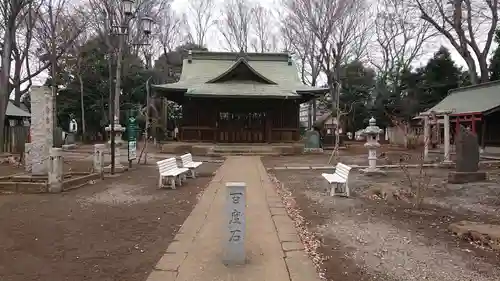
147,27
121,30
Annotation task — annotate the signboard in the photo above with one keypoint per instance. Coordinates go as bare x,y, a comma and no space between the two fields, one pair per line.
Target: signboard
132,150
132,138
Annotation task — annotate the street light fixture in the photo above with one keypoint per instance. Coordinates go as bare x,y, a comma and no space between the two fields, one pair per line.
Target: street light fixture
128,6
147,25
122,29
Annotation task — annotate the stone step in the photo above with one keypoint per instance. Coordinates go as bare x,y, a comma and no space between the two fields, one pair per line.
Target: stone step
243,154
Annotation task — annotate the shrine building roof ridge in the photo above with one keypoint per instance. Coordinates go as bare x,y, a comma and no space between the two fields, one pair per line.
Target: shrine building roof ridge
482,98
239,74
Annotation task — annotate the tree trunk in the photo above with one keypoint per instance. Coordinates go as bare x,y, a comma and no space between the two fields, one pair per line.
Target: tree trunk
483,67
80,80
4,82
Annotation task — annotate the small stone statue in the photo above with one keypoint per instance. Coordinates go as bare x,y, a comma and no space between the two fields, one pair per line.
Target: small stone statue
73,126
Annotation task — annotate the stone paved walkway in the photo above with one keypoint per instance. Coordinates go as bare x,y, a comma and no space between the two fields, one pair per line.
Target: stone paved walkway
273,249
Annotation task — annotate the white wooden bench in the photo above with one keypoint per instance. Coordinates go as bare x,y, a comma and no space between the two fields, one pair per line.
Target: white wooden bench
170,172
338,180
187,162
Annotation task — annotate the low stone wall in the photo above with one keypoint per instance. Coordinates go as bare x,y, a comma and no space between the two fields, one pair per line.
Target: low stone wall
237,149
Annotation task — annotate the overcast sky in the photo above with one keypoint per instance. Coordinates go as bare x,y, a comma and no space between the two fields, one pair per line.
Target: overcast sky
214,39
214,43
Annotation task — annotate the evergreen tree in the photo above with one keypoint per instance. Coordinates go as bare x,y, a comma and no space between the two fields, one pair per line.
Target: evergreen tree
494,67
440,76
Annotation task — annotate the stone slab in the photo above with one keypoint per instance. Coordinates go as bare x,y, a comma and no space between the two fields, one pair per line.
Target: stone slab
323,168
300,267
466,177
171,261
287,237
157,275
292,246
488,234
298,167
278,211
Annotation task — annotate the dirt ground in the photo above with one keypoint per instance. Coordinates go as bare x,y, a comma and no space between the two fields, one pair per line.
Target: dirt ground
366,237
113,230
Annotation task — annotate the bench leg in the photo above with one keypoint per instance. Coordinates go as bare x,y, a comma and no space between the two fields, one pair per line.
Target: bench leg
179,179
172,182
346,189
192,173
333,186
160,182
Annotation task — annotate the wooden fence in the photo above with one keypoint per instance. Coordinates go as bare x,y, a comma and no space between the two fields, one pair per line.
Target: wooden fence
15,138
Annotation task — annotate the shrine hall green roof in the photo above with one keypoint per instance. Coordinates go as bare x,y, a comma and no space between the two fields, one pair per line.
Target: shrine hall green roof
210,74
473,99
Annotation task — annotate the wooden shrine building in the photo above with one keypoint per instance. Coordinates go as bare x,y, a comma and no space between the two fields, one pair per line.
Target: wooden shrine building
477,108
239,97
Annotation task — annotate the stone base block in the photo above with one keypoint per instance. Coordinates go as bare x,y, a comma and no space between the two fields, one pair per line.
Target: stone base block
372,172
465,177
118,169
68,146
313,150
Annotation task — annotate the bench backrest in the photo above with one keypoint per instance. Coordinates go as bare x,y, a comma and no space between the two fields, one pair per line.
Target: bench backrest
186,159
342,170
167,165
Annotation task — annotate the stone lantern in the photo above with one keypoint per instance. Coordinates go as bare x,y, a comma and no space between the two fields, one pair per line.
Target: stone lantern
372,132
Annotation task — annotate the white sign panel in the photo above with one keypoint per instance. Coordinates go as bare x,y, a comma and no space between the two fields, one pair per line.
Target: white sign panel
132,150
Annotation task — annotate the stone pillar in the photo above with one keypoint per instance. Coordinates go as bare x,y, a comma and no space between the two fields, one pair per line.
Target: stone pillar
27,157
234,245
446,138
427,137
99,158
41,130
55,172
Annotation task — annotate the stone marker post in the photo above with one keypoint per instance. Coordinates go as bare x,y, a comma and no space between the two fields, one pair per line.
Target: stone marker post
27,157
446,138
427,137
99,159
41,129
55,170
234,244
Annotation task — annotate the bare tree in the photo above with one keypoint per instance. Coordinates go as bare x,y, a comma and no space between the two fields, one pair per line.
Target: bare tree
235,24
303,44
401,38
201,19
169,29
339,37
465,23
12,13
22,52
264,37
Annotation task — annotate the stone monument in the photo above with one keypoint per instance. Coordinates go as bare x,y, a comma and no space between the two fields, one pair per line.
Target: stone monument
467,162
234,244
55,172
312,142
69,141
98,162
372,132
41,130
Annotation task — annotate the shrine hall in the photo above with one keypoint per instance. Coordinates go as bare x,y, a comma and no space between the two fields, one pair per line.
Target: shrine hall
239,97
